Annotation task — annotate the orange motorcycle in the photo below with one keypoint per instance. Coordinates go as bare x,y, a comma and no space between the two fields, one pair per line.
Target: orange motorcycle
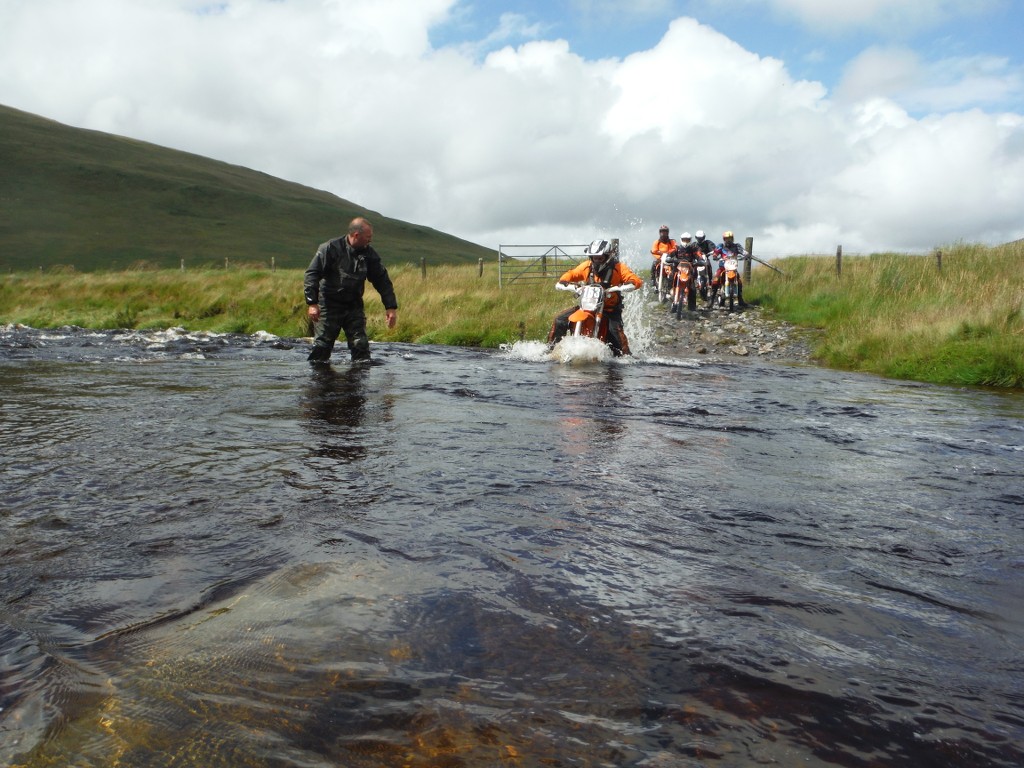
589,318
683,289
728,279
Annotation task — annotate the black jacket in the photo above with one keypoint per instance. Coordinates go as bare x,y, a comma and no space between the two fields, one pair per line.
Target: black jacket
338,274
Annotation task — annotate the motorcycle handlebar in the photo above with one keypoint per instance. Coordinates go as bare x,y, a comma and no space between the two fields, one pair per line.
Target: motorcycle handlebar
575,287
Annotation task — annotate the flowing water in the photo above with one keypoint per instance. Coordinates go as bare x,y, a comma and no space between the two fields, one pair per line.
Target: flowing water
214,555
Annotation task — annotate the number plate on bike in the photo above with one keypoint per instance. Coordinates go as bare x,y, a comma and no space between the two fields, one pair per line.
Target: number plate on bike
591,297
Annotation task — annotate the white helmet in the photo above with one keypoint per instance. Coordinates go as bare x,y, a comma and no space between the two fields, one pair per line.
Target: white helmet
601,249
686,236
700,234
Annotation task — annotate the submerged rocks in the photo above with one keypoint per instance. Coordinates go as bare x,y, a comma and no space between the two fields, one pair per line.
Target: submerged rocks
749,332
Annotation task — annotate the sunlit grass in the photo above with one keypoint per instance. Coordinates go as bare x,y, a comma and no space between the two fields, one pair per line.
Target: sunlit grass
903,316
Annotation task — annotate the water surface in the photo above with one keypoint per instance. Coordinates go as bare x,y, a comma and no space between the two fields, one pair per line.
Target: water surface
213,555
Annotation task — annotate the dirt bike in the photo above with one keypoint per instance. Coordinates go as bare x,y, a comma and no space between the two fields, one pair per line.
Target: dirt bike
702,275
683,289
730,289
666,270
589,319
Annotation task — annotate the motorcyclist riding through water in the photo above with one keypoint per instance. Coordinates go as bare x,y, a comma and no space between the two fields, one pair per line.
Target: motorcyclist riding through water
604,267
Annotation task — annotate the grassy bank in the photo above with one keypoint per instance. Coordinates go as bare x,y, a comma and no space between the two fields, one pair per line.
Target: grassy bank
901,316
453,305
893,315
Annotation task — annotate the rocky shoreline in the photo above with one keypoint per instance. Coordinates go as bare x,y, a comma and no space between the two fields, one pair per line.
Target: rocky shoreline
750,333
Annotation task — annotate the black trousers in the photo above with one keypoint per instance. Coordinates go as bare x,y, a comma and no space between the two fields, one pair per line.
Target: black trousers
335,318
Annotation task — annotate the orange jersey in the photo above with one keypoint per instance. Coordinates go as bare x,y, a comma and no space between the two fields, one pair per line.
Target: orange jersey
659,248
621,274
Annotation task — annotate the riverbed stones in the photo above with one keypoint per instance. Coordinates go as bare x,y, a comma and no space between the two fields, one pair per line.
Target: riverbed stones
748,333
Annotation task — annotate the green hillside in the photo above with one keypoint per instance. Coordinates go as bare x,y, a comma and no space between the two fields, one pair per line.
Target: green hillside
89,200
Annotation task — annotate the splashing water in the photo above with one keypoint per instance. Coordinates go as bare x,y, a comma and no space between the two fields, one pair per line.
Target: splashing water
639,327
587,350
527,351
570,350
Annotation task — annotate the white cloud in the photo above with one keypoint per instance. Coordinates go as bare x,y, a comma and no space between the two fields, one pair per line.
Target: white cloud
946,85
534,143
908,179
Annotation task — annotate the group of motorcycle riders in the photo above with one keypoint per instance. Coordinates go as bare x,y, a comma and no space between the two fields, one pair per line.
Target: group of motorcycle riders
334,281
604,267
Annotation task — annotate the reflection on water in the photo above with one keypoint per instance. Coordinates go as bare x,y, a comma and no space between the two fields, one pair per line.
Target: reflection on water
334,406
214,555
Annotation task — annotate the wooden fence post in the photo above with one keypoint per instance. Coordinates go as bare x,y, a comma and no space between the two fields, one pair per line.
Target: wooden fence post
480,267
749,245
839,261
938,258
182,265
273,264
423,267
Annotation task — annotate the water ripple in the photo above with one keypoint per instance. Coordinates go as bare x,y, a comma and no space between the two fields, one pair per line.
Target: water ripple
213,555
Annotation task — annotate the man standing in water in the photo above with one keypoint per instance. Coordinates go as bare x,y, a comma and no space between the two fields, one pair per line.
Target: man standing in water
342,266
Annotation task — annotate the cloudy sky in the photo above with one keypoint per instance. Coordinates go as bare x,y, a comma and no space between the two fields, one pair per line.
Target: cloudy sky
806,124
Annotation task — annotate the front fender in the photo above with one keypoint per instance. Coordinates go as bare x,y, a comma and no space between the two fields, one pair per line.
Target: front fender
581,316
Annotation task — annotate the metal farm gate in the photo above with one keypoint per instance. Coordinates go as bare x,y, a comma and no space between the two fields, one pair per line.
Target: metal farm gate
532,263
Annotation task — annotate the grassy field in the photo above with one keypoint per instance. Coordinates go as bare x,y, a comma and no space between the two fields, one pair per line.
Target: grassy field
452,305
92,201
904,317
893,315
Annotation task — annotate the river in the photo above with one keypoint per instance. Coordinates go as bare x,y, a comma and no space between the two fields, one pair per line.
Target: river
214,555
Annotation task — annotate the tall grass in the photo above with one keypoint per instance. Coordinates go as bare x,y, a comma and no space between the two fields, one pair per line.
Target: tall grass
888,314
902,316
453,304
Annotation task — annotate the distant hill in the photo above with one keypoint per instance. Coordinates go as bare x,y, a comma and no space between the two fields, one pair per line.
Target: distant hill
90,200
